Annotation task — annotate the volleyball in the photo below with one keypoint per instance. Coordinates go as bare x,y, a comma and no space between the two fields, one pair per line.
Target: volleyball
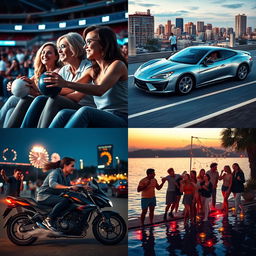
20,88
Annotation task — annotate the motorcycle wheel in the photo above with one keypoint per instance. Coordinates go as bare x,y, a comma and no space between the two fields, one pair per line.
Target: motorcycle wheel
109,230
14,230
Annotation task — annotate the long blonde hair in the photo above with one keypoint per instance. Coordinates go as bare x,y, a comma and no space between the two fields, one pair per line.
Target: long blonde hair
39,66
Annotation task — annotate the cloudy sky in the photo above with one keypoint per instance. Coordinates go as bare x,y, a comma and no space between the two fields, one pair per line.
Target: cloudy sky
221,13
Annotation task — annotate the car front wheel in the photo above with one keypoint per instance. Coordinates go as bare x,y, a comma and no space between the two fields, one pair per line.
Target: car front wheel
242,72
185,84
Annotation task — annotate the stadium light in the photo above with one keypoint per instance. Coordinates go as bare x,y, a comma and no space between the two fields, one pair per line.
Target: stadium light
41,27
81,22
17,27
7,43
105,19
62,25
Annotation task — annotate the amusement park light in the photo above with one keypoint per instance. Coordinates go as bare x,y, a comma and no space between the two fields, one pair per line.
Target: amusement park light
38,156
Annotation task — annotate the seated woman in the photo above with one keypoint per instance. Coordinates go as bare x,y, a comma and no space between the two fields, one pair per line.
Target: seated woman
15,70
109,84
14,110
43,109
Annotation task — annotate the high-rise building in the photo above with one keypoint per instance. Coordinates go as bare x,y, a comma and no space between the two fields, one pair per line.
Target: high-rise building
141,24
168,28
190,28
249,30
179,24
200,26
208,26
208,34
240,25
222,31
230,31
160,30
176,31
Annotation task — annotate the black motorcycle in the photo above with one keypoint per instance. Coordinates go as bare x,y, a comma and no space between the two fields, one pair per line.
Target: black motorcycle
108,227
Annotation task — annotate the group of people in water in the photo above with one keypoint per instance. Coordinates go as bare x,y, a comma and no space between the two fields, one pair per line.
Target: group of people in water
197,190
92,74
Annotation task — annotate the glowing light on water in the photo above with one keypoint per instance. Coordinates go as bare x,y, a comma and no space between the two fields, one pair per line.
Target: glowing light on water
202,235
221,229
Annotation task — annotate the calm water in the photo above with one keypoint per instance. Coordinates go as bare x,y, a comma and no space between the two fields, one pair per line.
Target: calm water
224,236
138,167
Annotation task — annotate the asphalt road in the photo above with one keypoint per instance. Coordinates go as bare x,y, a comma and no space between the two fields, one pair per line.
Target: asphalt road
88,246
202,104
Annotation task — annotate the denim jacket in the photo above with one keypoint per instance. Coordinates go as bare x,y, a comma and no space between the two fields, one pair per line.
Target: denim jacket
55,177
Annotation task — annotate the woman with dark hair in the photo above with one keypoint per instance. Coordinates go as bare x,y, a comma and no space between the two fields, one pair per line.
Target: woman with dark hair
196,195
206,193
109,78
49,193
12,73
237,187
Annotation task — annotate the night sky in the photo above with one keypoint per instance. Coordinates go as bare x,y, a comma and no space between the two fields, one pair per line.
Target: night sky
75,143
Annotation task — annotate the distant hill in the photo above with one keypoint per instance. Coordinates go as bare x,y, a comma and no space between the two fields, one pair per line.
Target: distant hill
197,152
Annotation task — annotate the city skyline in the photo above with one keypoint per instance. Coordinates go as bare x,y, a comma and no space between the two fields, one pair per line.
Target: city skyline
193,11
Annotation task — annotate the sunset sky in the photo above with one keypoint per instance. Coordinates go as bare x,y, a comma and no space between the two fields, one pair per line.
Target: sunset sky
221,13
142,138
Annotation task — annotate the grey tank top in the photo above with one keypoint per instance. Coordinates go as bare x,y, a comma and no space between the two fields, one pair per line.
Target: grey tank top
115,100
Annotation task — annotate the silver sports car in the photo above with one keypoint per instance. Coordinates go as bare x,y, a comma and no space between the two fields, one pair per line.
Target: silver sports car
192,67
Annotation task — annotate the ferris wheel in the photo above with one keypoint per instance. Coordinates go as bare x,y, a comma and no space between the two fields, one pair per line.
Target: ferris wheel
9,154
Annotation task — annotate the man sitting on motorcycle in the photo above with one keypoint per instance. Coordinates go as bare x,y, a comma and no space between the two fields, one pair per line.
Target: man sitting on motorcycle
49,193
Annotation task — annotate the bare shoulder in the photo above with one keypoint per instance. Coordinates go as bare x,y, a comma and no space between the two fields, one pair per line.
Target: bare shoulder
118,64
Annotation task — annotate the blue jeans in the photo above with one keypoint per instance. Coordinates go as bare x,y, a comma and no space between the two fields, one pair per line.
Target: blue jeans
58,203
34,112
7,109
88,117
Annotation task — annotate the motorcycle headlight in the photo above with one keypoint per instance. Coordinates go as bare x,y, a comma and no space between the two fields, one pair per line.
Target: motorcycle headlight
110,203
162,76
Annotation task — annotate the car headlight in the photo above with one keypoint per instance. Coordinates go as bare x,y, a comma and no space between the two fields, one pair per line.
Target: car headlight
162,76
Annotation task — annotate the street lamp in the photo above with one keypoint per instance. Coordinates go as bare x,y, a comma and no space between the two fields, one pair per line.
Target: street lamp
117,163
81,164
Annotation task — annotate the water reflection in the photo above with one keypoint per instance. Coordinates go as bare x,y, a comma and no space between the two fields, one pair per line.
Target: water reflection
148,241
221,235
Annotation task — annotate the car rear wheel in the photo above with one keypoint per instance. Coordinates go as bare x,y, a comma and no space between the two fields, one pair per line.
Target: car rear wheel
185,84
242,72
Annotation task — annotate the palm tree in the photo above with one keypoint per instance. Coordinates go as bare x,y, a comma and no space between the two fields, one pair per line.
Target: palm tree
242,139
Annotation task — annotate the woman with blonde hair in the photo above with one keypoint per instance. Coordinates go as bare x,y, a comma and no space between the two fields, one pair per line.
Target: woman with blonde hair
226,187
189,190
43,109
46,59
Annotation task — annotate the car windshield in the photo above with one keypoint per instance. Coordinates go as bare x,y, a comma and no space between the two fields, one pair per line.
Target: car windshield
188,55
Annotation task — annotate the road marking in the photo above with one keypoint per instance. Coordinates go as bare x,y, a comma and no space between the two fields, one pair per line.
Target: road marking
223,111
186,101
